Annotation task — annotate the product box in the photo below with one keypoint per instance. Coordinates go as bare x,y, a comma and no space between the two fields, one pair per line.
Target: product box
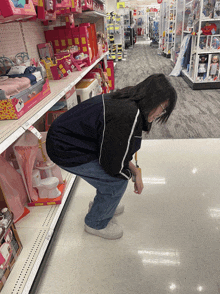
87,5
70,98
110,73
64,4
76,6
46,10
42,178
9,11
52,36
60,32
10,244
69,37
15,108
10,249
87,88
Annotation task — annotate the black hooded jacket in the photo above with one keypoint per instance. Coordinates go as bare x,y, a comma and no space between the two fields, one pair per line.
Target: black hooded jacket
99,128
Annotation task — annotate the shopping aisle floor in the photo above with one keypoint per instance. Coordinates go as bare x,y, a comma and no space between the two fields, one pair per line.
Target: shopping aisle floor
197,112
171,231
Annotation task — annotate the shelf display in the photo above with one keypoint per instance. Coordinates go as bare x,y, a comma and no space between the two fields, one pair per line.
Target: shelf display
178,32
154,32
141,22
203,69
40,185
129,34
170,27
115,30
162,27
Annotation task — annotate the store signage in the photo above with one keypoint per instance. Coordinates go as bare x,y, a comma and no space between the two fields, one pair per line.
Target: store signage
159,1
120,5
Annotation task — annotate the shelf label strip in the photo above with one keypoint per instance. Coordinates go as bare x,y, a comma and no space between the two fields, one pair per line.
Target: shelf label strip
34,131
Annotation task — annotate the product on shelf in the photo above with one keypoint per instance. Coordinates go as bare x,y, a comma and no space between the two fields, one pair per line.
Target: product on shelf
12,189
46,10
110,73
87,88
202,69
52,36
76,6
12,10
42,178
10,249
208,9
201,63
214,67
22,87
87,5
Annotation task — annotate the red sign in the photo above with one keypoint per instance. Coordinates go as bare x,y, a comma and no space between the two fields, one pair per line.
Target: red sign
159,1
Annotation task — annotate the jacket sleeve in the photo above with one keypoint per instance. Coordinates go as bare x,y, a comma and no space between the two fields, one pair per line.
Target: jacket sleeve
118,144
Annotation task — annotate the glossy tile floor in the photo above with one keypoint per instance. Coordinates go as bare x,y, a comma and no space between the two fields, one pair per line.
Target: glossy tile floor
171,241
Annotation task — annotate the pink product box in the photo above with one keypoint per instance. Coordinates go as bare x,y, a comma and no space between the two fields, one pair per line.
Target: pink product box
9,12
87,5
64,4
15,108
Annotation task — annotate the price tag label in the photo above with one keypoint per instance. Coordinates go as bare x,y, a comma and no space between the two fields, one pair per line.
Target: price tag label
35,132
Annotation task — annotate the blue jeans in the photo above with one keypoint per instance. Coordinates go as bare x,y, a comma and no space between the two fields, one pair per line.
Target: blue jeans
109,191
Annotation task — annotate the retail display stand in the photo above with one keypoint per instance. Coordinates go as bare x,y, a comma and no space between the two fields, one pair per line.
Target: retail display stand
141,22
162,21
178,31
169,27
36,230
128,31
203,22
115,29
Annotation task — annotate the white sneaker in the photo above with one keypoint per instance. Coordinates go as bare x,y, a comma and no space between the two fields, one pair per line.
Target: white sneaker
112,231
120,208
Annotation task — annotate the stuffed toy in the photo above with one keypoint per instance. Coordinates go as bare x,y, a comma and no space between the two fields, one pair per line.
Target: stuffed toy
209,29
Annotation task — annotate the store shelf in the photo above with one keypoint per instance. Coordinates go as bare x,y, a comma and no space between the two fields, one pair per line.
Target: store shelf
207,19
11,130
89,14
35,231
197,85
215,51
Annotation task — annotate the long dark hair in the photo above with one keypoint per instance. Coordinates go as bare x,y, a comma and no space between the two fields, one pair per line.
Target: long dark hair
149,94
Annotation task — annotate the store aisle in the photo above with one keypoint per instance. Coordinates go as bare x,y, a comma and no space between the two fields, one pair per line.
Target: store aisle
197,112
171,231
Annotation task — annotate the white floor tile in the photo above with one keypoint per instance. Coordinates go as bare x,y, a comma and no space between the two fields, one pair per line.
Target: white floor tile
171,241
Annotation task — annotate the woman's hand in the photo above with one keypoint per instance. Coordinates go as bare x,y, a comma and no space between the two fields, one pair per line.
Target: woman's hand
138,185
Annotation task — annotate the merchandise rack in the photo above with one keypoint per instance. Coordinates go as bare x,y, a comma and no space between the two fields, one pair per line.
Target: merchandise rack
35,231
162,27
170,27
178,32
115,29
11,130
202,45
